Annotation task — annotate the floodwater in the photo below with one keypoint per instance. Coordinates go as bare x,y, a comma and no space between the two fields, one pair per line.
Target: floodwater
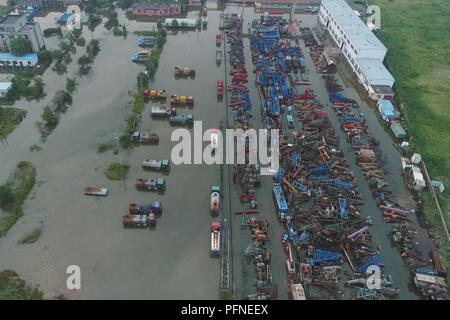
173,260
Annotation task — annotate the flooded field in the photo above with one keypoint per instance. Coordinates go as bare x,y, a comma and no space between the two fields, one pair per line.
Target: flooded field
173,260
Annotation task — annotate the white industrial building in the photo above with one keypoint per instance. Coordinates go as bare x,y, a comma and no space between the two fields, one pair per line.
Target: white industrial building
362,49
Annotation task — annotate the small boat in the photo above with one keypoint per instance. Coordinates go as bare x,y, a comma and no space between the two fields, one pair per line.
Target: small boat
218,56
92,191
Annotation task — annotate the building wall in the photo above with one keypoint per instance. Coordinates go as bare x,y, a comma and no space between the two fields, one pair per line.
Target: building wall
172,11
23,29
348,48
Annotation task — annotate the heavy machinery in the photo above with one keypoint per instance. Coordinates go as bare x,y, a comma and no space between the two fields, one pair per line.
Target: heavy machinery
179,71
182,100
151,184
155,94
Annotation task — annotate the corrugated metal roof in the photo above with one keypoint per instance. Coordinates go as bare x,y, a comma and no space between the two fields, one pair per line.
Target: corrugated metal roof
376,72
356,30
10,56
386,104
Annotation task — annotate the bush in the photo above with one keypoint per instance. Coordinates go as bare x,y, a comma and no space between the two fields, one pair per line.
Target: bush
104,147
6,196
81,42
117,171
52,32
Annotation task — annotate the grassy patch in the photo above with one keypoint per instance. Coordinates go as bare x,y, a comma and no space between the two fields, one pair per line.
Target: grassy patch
35,147
117,171
104,147
31,237
20,183
146,33
138,105
4,10
14,288
9,119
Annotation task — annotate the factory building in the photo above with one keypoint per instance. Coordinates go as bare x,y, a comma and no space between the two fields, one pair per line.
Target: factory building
361,48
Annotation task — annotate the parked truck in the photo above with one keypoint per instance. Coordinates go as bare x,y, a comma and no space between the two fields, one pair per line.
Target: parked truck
141,56
151,184
145,208
146,42
215,239
162,112
182,100
162,165
215,200
139,220
145,138
183,120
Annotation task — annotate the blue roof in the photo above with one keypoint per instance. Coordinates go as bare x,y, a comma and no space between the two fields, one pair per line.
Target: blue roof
386,105
64,17
10,56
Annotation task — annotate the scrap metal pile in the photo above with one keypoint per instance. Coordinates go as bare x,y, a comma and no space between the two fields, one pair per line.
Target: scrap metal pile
265,288
315,191
370,158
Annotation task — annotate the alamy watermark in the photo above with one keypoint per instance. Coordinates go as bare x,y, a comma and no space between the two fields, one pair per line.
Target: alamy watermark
248,142
374,18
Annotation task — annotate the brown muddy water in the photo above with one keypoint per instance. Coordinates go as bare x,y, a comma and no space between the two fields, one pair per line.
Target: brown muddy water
173,260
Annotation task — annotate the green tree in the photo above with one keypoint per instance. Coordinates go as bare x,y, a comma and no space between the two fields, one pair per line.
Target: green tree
45,56
6,195
174,23
93,48
71,85
20,46
50,118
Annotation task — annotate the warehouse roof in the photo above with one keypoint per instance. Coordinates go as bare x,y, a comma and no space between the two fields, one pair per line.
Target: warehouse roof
356,30
376,72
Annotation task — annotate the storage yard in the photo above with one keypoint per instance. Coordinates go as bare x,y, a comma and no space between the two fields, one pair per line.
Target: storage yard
339,207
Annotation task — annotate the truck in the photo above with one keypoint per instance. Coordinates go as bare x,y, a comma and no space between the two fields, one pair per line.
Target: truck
162,112
215,240
163,165
215,200
93,191
218,56
179,71
145,138
184,120
139,220
218,39
155,94
145,208
182,100
281,204
219,88
151,184
141,56
146,42
290,121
